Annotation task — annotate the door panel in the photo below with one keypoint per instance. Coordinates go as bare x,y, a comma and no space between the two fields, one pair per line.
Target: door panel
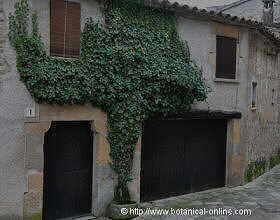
182,156
207,144
68,170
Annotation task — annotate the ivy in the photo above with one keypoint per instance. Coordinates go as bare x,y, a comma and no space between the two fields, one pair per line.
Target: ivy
255,169
274,160
133,67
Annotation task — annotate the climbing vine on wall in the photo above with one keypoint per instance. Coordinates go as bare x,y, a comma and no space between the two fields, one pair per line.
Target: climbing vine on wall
133,67
254,170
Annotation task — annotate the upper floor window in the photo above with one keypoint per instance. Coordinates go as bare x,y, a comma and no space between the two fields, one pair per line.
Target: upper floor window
65,28
254,95
226,57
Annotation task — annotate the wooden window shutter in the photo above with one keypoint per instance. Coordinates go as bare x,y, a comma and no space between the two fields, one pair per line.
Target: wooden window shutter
57,27
226,57
65,28
73,29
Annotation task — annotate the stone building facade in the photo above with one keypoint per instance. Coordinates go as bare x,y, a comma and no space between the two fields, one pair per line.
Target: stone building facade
23,123
14,98
263,122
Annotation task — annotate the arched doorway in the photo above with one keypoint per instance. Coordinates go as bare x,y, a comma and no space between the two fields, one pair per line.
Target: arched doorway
68,162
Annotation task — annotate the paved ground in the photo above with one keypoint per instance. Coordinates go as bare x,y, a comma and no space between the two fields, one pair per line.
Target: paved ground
262,197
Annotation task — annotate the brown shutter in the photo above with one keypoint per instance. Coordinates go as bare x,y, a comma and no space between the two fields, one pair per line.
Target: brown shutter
226,57
73,29
57,27
65,28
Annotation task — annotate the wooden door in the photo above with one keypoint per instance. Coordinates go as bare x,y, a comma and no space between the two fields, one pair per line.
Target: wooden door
182,156
68,153
206,144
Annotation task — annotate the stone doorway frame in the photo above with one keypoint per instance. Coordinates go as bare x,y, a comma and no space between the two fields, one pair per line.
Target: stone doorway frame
235,153
34,130
104,179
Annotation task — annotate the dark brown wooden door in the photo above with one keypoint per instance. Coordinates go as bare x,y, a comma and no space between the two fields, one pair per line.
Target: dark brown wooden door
180,157
68,152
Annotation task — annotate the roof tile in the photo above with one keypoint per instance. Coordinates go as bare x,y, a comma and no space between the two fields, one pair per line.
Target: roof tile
215,16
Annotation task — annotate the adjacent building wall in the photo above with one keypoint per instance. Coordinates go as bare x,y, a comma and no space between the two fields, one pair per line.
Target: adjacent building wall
225,95
257,61
263,124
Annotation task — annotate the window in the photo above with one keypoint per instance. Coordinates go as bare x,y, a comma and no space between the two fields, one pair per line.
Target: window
254,95
65,28
226,57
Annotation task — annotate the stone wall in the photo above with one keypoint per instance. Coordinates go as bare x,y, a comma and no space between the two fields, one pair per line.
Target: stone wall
3,63
20,181
258,62
104,179
14,99
263,124
225,95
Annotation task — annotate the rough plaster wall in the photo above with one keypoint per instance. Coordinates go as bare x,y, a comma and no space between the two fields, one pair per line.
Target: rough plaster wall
225,96
259,129
14,99
263,123
43,12
201,38
92,9
252,9
3,62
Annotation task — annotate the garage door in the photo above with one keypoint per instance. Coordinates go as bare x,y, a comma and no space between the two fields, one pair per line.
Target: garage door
182,156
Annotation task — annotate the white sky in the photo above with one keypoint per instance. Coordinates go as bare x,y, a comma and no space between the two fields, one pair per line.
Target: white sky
204,3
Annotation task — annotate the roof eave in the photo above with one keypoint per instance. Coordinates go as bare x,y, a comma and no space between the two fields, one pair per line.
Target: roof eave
203,14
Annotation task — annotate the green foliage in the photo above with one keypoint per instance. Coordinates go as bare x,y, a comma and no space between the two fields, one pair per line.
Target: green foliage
274,160
254,170
132,67
258,168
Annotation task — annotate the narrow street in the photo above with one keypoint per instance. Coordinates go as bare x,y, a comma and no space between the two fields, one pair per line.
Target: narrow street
262,197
